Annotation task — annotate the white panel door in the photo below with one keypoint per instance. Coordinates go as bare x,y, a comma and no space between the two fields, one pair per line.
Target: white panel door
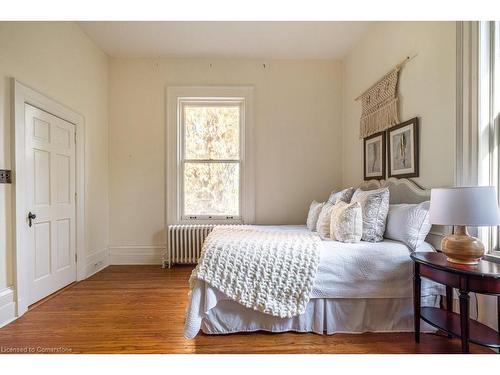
50,161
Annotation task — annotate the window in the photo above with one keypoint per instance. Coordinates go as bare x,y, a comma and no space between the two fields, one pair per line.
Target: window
488,124
209,158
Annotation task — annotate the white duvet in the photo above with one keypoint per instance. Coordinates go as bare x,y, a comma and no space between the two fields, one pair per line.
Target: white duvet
367,270
364,269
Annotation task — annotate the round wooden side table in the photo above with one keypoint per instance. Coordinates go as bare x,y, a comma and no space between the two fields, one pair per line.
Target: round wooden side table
483,278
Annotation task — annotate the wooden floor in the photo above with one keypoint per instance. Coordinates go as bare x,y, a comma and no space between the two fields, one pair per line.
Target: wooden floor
140,309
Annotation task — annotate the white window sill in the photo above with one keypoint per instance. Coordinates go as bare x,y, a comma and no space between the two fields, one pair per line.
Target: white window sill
208,222
492,257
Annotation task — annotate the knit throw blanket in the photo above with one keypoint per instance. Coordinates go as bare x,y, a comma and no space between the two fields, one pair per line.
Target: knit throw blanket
270,271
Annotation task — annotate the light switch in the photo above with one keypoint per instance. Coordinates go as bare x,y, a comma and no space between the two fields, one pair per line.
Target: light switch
5,176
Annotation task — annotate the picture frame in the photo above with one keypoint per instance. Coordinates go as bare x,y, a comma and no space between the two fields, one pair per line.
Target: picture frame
374,156
403,149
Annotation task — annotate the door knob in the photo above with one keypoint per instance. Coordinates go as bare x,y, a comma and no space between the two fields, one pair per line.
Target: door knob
31,217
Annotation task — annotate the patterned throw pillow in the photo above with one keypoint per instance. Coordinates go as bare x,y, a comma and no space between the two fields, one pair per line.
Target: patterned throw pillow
344,195
312,217
323,225
374,206
408,223
346,222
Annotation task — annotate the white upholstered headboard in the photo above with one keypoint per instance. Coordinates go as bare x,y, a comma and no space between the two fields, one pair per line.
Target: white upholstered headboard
407,191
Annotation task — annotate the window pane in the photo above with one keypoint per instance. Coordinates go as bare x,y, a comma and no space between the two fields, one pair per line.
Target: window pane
212,132
211,189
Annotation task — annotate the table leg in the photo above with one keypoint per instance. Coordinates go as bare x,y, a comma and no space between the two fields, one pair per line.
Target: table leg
464,319
498,313
449,302
416,301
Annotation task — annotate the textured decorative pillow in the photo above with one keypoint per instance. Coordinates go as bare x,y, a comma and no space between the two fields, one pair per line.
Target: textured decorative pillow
374,205
323,224
408,223
346,223
312,217
344,195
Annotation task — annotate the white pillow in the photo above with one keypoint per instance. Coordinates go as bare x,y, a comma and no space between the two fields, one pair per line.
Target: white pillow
408,223
312,217
374,205
344,195
346,222
323,224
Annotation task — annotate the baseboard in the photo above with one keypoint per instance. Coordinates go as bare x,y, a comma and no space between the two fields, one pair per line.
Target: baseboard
136,254
97,261
7,306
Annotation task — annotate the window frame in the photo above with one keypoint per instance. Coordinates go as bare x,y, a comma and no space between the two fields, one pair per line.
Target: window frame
488,124
176,95
210,102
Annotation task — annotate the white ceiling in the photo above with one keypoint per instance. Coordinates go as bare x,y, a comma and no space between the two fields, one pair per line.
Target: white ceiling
273,40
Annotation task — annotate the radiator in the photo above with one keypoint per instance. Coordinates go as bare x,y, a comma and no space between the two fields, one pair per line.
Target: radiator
184,243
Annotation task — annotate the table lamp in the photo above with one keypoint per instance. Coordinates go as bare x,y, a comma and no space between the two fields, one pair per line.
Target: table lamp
475,206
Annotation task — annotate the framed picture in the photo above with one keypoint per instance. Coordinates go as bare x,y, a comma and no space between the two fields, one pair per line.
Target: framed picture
403,149
374,157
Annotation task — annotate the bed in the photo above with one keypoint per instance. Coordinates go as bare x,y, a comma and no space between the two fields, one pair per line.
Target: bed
352,292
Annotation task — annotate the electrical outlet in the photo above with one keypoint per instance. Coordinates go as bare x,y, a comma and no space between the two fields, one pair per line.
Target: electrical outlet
5,176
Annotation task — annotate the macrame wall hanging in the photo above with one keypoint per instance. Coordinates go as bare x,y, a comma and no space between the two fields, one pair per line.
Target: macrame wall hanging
380,104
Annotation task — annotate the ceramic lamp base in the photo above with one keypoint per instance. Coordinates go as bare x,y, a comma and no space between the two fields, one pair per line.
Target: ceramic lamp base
461,248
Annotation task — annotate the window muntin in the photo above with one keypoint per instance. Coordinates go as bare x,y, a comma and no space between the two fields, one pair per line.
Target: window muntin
211,158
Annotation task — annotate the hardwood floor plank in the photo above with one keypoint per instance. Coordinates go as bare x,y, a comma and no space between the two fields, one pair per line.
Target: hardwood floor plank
140,309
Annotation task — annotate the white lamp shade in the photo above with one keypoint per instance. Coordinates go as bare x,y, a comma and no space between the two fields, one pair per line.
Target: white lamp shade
471,206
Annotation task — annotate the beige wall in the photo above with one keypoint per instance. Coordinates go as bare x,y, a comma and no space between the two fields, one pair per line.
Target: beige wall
427,90
58,60
297,137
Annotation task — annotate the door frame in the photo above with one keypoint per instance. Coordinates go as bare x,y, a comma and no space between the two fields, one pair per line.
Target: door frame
22,95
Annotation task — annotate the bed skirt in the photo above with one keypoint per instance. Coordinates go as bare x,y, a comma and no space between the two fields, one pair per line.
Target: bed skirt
322,316
214,314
